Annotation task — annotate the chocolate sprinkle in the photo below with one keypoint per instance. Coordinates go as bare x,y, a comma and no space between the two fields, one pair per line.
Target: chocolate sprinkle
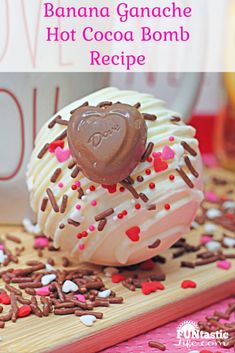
73,223
14,306
155,244
62,136
85,104
61,121
143,197
102,224
71,164
55,175
52,200
185,177
150,117
43,151
75,172
188,148
13,238
140,178
151,207
80,193
137,105
147,152
104,104
53,122
64,204
190,166
44,204
187,264
158,345
104,214
130,188
175,119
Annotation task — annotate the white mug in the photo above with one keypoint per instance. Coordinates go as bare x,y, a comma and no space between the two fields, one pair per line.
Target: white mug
27,100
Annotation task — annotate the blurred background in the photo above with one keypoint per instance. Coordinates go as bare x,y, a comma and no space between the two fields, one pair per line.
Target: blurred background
28,100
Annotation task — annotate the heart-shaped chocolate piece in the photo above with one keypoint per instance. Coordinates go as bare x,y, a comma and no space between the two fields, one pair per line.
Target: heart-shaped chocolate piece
107,142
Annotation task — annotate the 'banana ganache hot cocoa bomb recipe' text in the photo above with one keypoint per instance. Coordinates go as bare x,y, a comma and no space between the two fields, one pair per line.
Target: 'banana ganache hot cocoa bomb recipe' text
121,13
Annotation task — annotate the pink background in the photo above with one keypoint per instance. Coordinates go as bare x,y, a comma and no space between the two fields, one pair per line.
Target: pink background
167,335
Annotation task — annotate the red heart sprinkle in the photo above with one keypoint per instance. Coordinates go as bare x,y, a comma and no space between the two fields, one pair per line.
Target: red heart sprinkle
159,285
159,165
147,265
133,233
5,299
151,287
188,284
24,310
148,287
117,277
55,144
206,351
111,188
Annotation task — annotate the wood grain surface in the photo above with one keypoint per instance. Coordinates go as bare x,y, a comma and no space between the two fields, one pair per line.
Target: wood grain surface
137,314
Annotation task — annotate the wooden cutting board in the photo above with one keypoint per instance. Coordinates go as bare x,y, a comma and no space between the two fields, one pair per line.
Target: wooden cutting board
136,315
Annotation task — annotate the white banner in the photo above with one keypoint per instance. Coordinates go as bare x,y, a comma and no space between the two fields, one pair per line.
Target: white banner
118,36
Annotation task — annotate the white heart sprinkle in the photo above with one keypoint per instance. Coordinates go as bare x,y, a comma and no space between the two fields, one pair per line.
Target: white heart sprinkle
69,286
195,225
109,271
49,268
47,279
229,204
88,320
213,245
2,256
194,352
210,228
104,294
230,242
213,213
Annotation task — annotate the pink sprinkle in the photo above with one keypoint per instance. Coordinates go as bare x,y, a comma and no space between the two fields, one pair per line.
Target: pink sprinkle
205,239
224,264
41,242
78,207
156,154
80,297
2,247
61,154
93,203
171,138
61,185
43,291
91,228
81,247
167,153
78,184
211,196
